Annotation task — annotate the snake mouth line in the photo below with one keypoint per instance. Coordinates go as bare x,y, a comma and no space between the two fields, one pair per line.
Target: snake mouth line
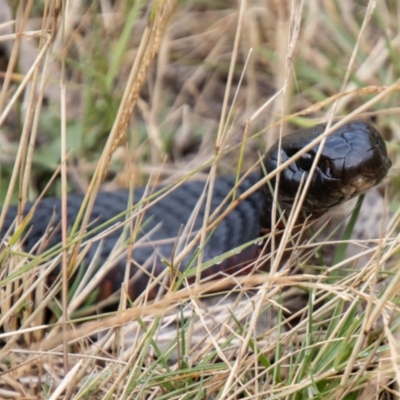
360,184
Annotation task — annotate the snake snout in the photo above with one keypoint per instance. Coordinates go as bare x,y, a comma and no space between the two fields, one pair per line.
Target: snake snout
368,163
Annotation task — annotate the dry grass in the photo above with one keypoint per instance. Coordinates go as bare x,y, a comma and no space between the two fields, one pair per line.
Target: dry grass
227,79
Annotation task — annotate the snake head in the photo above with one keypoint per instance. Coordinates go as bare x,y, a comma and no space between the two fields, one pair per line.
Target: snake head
353,160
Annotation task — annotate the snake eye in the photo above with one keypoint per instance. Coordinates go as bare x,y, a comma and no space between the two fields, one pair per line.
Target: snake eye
305,161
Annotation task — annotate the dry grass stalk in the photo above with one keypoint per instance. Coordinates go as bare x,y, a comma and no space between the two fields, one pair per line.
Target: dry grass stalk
227,352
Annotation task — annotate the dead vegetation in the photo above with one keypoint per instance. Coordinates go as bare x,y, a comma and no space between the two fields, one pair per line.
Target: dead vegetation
213,84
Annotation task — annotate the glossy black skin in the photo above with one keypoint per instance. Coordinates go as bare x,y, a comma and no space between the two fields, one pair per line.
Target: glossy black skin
353,160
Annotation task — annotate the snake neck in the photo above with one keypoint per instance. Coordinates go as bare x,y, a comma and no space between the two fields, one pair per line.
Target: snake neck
283,209
266,209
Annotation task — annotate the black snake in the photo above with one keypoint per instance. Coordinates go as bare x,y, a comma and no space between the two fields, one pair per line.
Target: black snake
354,159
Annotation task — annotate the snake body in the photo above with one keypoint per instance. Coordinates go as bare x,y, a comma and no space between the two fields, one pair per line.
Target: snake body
354,158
